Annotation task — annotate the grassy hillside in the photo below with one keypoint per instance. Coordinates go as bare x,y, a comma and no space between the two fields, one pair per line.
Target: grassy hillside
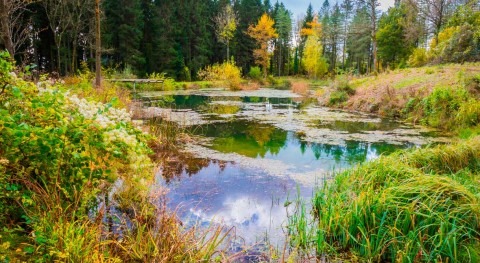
442,96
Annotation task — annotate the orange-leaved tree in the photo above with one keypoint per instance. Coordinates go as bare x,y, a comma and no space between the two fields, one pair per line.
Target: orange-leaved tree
263,32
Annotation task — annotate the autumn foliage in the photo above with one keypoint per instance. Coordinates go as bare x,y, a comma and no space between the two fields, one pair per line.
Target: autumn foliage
263,33
313,61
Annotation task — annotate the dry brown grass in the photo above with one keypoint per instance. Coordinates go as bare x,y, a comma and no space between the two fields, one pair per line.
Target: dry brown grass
300,87
251,85
388,93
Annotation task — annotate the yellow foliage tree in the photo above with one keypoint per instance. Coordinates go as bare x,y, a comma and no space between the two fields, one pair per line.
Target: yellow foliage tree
225,26
263,33
315,65
313,28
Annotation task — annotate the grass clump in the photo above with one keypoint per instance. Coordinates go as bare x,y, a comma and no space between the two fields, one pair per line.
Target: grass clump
446,107
412,206
337,97
342,90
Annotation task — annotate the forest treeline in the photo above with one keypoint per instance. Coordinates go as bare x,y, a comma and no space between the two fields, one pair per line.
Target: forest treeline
182,37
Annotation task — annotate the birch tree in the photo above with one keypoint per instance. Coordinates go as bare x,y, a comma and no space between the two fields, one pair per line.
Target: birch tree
225,26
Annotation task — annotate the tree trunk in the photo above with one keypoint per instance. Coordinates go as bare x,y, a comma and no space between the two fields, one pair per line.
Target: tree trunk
228,50
344,48
6,37
375,59
74,54
58,58
374,38
280,59
98,47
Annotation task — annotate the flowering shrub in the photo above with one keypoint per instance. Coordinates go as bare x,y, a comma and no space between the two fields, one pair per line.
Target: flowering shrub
56,144
74,173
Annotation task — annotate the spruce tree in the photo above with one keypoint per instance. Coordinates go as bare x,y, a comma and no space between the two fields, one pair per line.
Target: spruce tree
123,28
249,11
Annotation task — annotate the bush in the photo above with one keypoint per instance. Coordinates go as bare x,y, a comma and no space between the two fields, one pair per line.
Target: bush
59,152
440,107
418,58
227,72
337,97
342,84
341,90
456,44
272,81
468,114
472,83
65,145
255,73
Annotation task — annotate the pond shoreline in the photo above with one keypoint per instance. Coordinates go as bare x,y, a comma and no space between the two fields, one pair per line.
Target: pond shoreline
326,136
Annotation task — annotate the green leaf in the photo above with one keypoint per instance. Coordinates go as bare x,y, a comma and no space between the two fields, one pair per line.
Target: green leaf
41,240
17,93
29,249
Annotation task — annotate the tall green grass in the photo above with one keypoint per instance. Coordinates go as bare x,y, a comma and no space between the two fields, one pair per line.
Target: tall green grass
413,206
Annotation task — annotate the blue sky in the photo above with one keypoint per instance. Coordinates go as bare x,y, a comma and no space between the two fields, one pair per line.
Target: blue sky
299,7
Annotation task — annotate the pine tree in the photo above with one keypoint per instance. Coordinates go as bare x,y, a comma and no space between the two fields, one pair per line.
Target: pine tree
371,8
347,7
283,26
393,47
249,11
332,32
123,29
359,40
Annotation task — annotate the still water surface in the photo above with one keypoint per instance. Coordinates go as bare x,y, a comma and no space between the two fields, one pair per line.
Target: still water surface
262,148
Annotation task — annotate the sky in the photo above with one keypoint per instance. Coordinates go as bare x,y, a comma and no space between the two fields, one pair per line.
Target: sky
299,7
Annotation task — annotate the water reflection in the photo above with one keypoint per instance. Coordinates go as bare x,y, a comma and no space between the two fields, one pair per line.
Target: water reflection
266,156
256,140
244,137
204,103
250,201
356,127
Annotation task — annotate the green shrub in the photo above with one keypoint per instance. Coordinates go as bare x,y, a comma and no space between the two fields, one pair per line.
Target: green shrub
342,84
468,114
429,71
418,58
272,81
57,150
255,73
440,107
65,145
337,97
456,44
472,83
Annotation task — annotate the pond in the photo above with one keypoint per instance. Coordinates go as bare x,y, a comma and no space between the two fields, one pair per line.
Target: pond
257,150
